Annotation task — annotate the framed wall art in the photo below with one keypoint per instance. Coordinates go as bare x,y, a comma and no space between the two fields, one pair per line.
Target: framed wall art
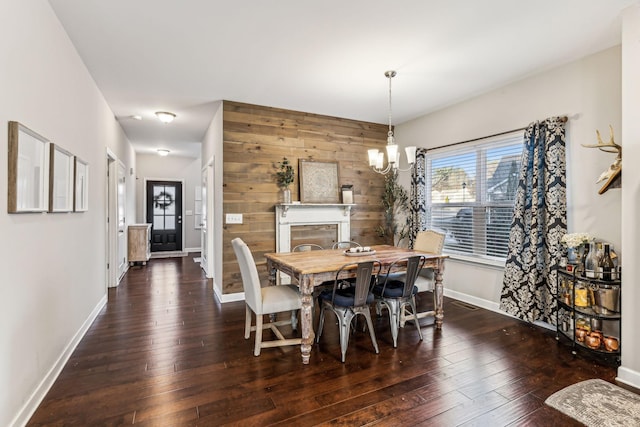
28,177
319,182
81,186
61,166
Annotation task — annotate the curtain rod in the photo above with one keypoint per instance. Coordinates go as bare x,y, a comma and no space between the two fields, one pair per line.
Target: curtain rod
563,119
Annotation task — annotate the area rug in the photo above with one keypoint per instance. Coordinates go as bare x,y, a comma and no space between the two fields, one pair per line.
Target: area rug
598,403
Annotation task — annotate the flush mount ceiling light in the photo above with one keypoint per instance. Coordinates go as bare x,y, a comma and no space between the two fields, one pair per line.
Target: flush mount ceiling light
376,158
163,152
165,116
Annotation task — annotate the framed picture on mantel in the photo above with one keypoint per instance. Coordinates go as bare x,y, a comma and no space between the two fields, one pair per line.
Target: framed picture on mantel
319,182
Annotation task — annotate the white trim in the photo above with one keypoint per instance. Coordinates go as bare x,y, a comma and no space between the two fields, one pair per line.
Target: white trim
111,213
488,305
479,302
223,298
188,250
32,403
498,264
628,376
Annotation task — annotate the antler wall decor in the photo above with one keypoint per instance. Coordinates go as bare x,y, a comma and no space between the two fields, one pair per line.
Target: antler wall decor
614,173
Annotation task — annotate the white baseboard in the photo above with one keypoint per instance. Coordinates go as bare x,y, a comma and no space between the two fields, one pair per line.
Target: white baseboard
32,403
628,376
238,296
482,303
189,250
488,305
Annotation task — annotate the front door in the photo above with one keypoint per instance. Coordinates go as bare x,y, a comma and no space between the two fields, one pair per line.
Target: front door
164,212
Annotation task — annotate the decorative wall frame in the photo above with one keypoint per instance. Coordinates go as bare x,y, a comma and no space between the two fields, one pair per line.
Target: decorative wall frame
81,186
61,167
319,182
28,177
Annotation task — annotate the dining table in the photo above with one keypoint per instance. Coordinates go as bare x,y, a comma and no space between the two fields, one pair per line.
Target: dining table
311,268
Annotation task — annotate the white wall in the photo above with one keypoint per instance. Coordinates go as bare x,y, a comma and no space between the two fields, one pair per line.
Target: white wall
629,372
212,149
588,91
151,166
53,265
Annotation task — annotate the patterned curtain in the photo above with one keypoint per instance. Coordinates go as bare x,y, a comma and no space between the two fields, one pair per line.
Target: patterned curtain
539,222
418,200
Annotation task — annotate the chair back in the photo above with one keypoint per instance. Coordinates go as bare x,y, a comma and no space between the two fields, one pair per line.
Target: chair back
366,273
249,273
429,241
346,245
414,265
304,247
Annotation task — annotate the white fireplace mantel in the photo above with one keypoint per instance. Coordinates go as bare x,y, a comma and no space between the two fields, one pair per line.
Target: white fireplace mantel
299,214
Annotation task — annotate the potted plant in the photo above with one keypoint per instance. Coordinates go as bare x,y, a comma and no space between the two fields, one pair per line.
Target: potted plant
284,178
395,202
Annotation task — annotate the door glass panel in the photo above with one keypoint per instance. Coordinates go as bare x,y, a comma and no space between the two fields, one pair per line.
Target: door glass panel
158,222
170,222
169,200
158,199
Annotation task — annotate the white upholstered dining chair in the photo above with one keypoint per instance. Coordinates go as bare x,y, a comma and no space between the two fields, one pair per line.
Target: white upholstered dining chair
262,301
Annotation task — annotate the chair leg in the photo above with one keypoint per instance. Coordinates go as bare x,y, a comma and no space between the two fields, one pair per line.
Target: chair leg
345,325
394,313
372,334
256,350
404,314
412,303
320,324
247,323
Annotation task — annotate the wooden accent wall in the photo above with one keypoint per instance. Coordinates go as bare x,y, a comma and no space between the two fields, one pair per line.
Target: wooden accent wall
255,139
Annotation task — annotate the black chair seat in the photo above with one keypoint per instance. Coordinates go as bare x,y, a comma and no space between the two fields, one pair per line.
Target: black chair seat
344,297
394,289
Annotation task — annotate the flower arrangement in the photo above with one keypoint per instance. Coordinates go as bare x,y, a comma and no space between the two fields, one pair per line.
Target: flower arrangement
573,240
285,174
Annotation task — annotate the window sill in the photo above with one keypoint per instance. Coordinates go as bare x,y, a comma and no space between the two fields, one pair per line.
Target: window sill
494,263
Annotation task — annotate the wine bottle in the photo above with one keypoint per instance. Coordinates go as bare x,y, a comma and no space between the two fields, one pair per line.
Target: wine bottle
591,262
608,269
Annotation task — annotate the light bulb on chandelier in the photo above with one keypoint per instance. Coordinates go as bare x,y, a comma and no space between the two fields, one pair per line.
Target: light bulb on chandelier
376,158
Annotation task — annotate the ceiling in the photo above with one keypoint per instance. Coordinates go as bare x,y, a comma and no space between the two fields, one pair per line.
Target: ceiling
324,56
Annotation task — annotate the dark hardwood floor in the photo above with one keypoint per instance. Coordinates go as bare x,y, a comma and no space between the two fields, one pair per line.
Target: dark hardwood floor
163,352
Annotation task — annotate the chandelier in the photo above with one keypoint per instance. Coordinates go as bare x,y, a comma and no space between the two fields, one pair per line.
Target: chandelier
376,158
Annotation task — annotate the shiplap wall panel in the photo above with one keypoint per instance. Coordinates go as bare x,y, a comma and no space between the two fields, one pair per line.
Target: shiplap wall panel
255,139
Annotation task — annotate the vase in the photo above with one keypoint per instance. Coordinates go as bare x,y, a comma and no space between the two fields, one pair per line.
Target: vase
286,195
584,251
572,256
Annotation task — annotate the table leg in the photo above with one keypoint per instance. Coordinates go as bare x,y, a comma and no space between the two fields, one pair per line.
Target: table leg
438,295
306,318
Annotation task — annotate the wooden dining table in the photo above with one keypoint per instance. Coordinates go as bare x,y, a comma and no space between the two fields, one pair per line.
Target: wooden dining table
312,268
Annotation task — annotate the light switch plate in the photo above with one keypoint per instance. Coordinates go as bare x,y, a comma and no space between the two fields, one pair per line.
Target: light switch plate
234,218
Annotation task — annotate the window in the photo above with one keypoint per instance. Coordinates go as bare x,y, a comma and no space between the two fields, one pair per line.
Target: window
470,194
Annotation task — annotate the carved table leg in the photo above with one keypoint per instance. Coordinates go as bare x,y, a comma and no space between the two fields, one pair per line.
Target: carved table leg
273,271
306,321
438,294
